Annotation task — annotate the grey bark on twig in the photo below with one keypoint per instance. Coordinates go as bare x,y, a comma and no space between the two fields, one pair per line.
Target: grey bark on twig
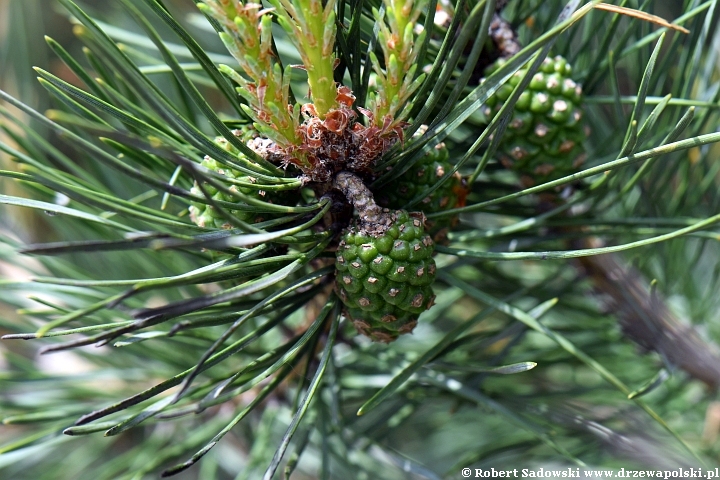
646,319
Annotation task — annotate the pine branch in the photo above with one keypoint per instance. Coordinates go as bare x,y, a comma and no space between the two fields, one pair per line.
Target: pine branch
646,319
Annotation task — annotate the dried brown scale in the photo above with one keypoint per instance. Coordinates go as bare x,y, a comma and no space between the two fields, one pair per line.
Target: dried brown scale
266,148
504,37
335,143
326,149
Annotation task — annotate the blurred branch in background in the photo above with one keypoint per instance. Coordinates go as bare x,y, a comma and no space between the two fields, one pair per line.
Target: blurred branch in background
646,319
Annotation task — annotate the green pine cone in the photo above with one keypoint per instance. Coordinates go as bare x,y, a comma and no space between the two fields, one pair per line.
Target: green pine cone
206,215
425,173
385,281
544,138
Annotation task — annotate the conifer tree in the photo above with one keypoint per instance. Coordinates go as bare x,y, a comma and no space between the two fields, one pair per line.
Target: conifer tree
352,239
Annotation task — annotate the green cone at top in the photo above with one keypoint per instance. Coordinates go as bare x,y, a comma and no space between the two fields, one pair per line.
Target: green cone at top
385,280
208,216
426,172
544,137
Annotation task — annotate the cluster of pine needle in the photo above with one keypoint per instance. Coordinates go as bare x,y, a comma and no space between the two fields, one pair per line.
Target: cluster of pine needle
357,238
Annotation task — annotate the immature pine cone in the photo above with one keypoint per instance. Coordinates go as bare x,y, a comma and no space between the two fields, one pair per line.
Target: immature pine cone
206,215
385,280
425,173
544,138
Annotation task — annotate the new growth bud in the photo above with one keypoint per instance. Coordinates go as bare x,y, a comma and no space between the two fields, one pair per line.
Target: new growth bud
247,34
400,47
